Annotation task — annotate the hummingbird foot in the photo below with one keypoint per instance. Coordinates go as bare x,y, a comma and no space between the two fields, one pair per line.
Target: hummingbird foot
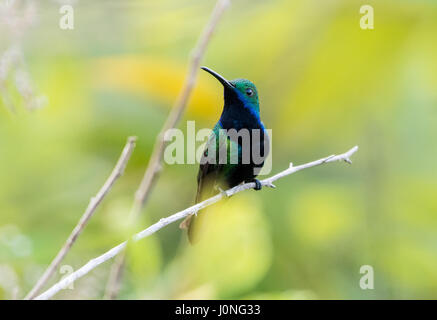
258,185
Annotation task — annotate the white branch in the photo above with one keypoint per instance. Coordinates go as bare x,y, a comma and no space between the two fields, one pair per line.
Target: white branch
92,206
184,213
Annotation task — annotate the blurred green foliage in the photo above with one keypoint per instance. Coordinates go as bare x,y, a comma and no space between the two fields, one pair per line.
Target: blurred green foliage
325,85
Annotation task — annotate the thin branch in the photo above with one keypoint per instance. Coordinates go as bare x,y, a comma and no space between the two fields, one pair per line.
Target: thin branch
184,213
155,163
92,206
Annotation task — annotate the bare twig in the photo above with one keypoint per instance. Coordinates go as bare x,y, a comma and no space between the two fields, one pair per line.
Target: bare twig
92,206
184,213
115,277
155,163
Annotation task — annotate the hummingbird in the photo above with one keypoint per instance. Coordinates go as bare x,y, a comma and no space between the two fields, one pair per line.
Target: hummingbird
241,114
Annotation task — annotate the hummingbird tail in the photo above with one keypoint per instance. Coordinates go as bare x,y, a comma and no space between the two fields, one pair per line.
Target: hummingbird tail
190,221
186,223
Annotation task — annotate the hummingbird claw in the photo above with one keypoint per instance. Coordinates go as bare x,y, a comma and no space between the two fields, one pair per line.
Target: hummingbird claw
258,185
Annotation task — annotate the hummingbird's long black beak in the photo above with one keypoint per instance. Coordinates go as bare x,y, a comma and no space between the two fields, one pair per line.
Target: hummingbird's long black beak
223,81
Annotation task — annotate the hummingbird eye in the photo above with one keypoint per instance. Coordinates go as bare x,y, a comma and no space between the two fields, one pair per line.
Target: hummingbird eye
249,91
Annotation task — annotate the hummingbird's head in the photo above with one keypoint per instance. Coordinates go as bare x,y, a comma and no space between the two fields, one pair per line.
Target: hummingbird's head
238,92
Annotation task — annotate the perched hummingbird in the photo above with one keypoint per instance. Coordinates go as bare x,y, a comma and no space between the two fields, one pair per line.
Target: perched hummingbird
241,113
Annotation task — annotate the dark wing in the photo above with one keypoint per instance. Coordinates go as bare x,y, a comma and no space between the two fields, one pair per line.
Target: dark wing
207,176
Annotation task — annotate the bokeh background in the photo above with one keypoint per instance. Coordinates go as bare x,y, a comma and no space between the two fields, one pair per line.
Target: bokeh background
325,85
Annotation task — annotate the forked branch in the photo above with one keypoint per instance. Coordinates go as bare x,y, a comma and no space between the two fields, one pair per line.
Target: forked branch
184,213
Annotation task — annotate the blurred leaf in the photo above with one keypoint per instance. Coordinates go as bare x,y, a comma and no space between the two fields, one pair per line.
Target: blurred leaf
323,215
158,77
235,252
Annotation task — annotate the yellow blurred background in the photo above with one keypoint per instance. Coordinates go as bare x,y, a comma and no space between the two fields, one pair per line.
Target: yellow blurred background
325,85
